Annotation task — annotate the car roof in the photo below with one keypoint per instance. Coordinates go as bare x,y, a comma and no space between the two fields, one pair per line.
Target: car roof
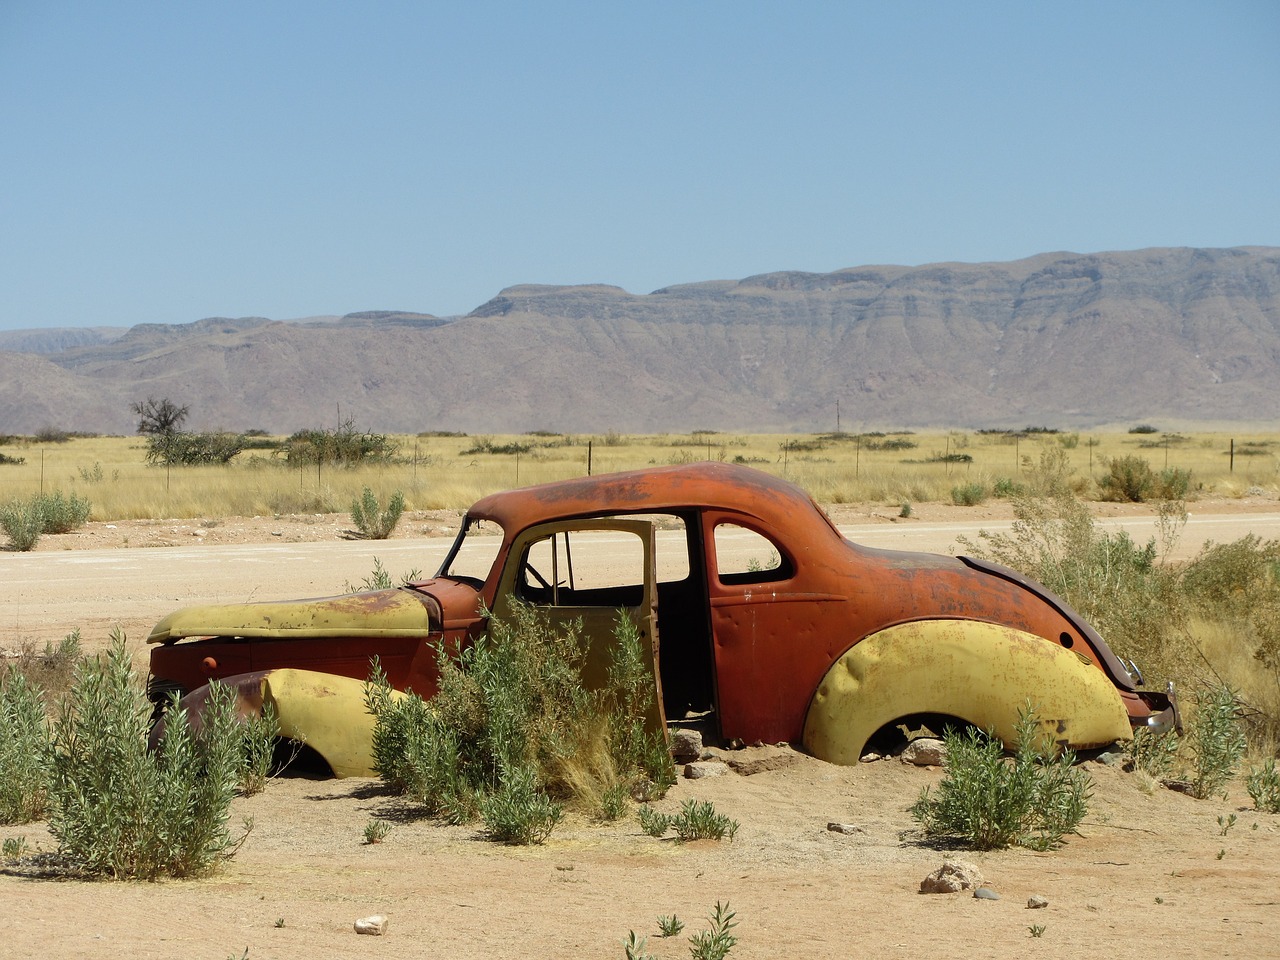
752,493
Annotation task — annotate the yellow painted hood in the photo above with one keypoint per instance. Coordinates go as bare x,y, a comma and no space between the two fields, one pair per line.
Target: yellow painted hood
381,613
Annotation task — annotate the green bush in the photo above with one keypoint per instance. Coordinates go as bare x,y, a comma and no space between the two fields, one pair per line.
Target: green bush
1128,478
63,514
192,449
23,522
343,447
371,520
968,494
513,730
1152,753
1173,484
987,802
1264,787
26,750
121,810
1216,740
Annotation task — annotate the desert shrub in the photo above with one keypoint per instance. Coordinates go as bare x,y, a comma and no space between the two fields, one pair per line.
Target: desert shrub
179,448
62,514
1152,753
1006,487
1173,483
1216,741
7,460
1263,785
1144,428
344,446
700,821
968,494
121,810
373,522
25,750
518,812
380,579
1128,478
987,802
513,722
258,737
23,522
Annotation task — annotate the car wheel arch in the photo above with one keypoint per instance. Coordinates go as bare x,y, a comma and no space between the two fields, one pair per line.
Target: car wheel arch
980,673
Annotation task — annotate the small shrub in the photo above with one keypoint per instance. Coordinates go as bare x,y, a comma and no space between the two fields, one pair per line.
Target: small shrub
670,926
375,831
968,494
518,812
63,514
14,847
179,448
1216,740
652,822
513,729
700,821
636,947
371,520
987,802
380,579
1036,930
23,522
715,943
1006,487
1173,484
613,803
1264,787
121,810
904,511
1144,428
1128,478
26,750
1152,753
344,446
258,743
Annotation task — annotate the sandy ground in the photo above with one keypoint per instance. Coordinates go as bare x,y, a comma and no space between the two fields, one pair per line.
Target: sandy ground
1151,874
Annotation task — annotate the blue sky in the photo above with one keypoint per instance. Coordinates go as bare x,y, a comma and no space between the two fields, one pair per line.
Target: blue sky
162,162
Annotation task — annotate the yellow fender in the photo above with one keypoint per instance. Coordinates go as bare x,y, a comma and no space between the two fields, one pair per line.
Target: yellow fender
982,673
327,713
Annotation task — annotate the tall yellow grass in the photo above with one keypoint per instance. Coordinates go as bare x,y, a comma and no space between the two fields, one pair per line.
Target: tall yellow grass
438,472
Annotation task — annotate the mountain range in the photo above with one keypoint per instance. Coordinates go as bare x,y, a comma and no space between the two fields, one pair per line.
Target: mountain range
1176,336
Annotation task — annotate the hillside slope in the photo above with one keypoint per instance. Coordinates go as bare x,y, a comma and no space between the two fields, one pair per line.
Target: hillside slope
1061,339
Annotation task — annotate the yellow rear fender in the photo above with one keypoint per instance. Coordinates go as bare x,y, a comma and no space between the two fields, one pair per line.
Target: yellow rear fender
981,673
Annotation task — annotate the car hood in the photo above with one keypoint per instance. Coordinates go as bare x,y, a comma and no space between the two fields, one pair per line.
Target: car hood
379,613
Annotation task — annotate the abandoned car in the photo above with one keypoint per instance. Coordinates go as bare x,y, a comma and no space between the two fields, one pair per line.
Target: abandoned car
765,623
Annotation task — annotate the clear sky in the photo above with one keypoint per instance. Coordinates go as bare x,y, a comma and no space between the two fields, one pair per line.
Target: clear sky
166,161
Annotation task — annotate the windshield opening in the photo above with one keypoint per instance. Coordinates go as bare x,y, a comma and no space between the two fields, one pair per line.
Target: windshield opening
472,555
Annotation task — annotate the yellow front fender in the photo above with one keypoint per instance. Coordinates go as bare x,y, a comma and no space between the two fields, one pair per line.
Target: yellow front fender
327,713
981,673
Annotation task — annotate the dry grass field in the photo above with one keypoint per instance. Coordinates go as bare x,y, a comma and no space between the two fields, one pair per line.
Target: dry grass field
449,472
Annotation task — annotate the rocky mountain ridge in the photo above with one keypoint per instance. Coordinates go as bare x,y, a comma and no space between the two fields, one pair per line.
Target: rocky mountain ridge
1069,340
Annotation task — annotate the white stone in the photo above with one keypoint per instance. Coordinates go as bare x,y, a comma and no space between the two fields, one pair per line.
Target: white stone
705,768
952,876
685,745
374,926
925,752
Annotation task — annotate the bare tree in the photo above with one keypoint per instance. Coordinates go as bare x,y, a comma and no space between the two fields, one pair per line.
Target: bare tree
159,417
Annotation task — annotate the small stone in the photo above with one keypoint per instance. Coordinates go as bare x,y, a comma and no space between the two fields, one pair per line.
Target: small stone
374,926
952,876
844,827
925,752
869,758
685,745
986,893
1036,903
705,768
1110,758
199,533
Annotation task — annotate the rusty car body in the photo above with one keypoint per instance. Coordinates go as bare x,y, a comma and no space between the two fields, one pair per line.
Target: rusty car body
765,623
